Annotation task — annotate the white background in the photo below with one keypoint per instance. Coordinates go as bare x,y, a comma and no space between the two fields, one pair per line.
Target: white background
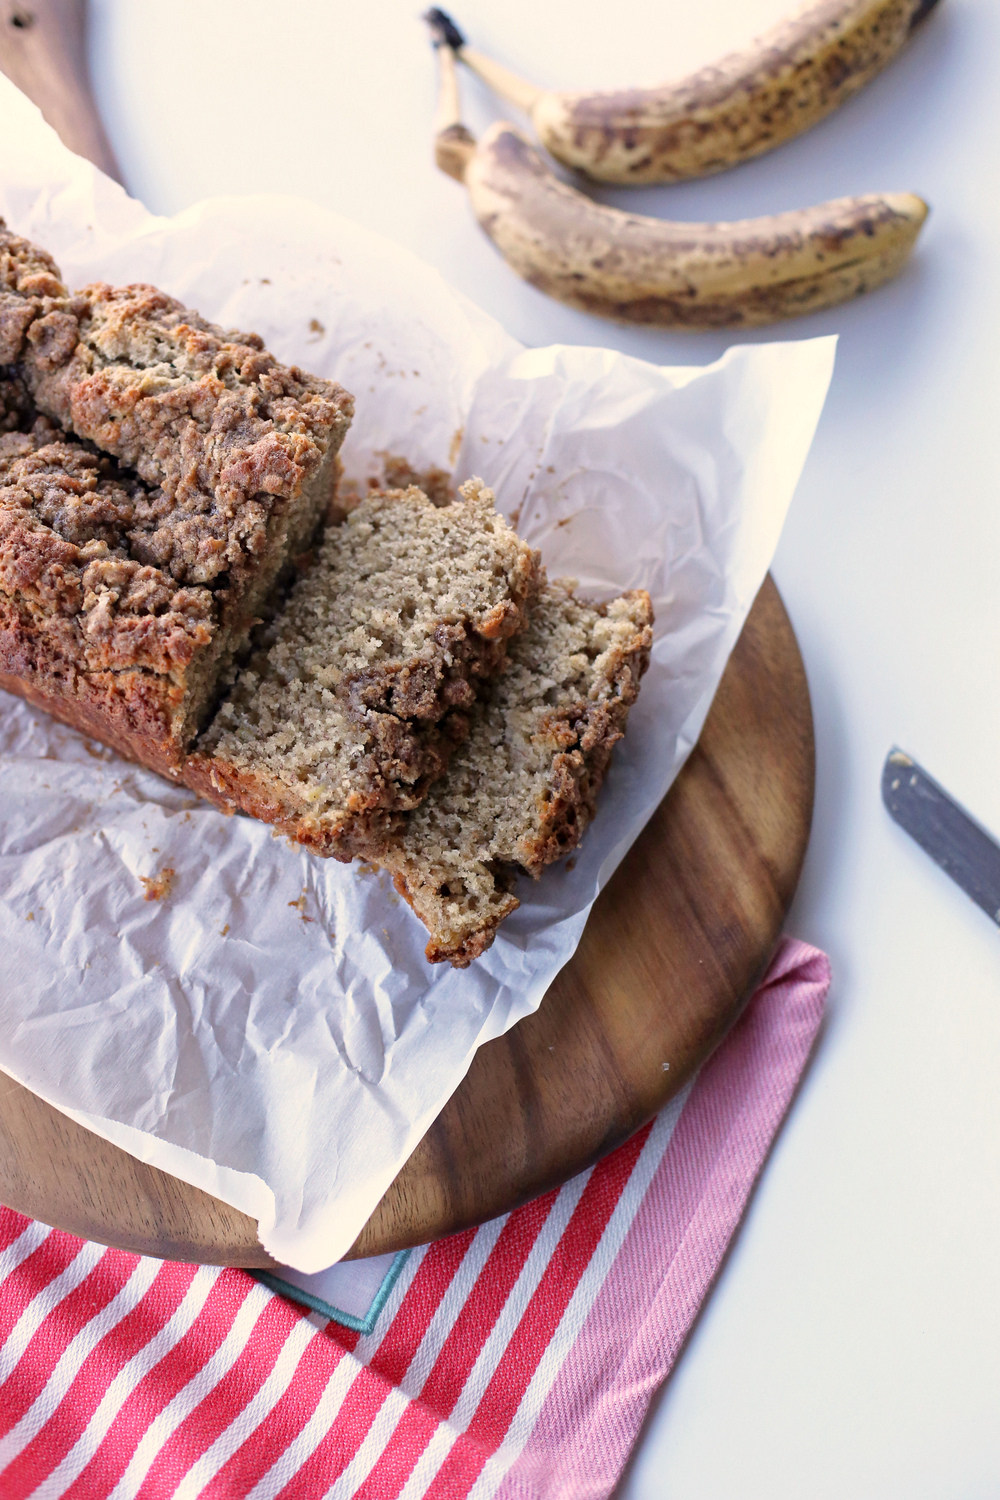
852,1345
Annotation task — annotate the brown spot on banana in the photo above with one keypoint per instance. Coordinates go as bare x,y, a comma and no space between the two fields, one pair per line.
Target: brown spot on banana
641,270
749,102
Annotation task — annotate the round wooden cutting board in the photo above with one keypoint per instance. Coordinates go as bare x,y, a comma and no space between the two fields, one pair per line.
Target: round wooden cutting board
673,948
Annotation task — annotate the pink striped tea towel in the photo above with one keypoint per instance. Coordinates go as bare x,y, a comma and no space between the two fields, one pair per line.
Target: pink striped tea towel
514,1361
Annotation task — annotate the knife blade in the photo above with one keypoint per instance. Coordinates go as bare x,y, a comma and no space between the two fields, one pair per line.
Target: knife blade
943,829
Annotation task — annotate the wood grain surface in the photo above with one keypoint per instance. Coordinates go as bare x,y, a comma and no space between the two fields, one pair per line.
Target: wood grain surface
43,50
671,952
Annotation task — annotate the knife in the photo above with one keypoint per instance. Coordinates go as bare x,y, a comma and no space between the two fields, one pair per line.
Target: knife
945,831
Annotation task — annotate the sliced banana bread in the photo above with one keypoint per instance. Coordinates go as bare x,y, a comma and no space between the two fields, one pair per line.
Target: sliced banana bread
362,684
105,642
235,467
82,585
521,789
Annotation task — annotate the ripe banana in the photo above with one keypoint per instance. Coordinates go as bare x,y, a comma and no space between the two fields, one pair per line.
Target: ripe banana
742,106
641,270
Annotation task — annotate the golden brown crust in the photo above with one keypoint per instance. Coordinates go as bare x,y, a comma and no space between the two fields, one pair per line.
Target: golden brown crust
29,278
227,436
188,405
459,954
100,639
358,833
401,761
132,711
586,736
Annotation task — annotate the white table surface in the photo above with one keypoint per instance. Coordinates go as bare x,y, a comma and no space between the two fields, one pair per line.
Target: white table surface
852,1345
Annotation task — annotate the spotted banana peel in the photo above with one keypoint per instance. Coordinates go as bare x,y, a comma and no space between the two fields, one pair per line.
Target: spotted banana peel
637,269
741,106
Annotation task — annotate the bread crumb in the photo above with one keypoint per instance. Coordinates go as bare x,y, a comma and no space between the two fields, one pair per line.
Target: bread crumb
158,887
30,917
223,931
300,907
316,327
398,474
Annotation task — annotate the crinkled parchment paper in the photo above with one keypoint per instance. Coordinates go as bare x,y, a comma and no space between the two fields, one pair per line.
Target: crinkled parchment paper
269,1029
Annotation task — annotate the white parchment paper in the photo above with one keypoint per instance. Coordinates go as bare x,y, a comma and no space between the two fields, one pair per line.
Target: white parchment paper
270,1030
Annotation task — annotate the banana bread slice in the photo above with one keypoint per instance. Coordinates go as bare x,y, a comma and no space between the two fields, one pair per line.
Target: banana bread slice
361,685
520,791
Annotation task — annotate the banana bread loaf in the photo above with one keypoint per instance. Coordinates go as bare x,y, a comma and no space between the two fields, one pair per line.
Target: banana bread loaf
362,684
520,791
205,413
235,465
108,643
157,475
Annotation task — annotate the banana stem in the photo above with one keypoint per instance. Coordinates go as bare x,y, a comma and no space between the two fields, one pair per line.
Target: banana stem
448,36
453,143
510,86
449,104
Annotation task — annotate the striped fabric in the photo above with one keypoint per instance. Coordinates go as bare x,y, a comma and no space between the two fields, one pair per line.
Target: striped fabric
515,1361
